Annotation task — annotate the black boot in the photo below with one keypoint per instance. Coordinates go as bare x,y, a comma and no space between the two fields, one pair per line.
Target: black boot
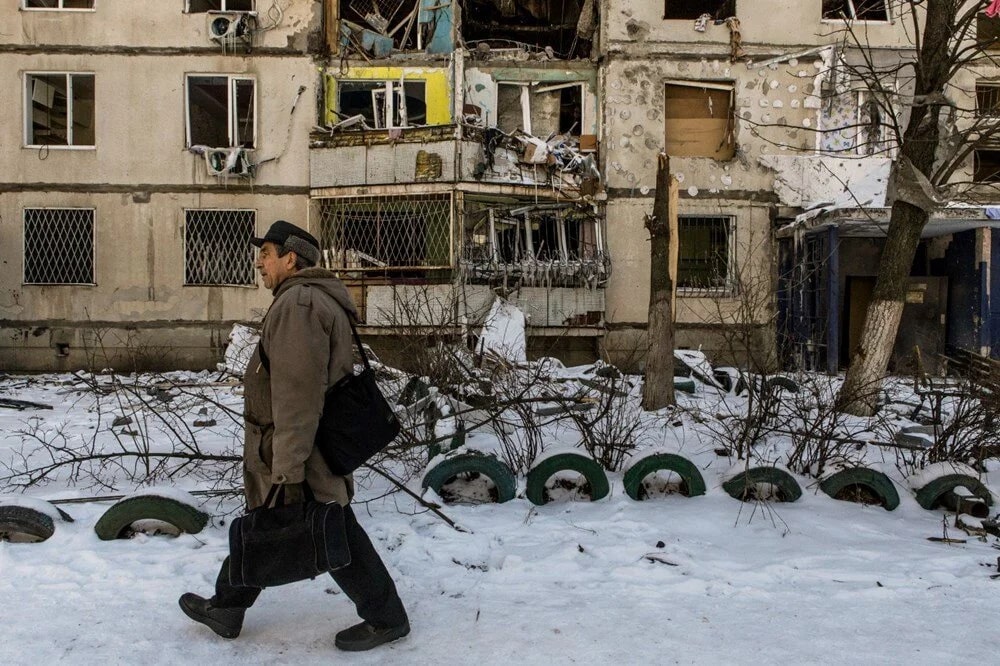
226,622
364,636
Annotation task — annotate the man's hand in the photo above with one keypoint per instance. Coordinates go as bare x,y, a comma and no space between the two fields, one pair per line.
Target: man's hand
294,493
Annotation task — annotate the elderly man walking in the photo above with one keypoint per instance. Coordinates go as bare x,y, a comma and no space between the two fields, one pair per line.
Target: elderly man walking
306,341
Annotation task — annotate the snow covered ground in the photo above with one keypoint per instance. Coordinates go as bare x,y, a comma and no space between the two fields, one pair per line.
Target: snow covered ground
705,580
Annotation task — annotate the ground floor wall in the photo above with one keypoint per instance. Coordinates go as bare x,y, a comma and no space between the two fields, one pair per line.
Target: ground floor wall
733,322
148,288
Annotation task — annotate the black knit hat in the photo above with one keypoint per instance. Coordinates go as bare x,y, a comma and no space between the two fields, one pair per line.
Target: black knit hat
293,238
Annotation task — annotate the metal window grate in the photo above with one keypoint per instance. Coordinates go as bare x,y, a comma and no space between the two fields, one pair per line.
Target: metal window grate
704,256
382,233
59,246
217,248
987,99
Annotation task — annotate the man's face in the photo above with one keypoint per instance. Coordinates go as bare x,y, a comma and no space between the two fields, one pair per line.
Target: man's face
274,269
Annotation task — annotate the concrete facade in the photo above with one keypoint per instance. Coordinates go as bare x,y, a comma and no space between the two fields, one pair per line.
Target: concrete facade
470,148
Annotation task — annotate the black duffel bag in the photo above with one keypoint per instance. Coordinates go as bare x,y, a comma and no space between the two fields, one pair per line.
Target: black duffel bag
276,545
357,421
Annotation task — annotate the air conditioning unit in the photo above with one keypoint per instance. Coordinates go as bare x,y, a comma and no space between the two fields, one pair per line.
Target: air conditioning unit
228,27
229,162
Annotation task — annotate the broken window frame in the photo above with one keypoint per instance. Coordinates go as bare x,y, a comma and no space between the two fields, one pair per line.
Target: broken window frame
383,116
993,175
851,5
232,108
48,258
71,103
524,249
223,255
721,285
223,7
730,131
60,6
528,89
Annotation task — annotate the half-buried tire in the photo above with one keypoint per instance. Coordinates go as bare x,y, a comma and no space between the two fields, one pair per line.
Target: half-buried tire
117,520
743,486
929,496
467,463
21,523
693,483
859,483
539,475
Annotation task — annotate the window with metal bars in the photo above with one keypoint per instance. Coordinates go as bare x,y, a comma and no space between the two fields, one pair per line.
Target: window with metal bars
384,233
221,111
59,109
988,99
704,253
59,246
217,248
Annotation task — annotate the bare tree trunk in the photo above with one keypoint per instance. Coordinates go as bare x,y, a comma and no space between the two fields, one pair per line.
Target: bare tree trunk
910,212
658,387
869,361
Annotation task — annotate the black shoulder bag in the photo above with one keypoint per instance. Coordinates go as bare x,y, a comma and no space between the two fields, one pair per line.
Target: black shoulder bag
275,545
357,421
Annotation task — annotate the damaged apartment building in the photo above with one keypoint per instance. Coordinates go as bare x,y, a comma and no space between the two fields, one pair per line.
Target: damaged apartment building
457,160
446,152
782,156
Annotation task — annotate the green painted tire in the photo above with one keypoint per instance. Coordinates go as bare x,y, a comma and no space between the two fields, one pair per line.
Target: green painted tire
928,496
116,520
739,486
694,483
876,482
489,466
25,522
779,381
543,471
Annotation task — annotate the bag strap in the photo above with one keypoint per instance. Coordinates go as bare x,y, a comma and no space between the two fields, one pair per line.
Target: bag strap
277,493
266,362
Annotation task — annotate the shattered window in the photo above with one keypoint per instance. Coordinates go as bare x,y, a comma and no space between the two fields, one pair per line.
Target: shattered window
699,120
986,166
692,9
61,110
59,246
383,104
58,4
217,249
860,10
201,6
703,253
221,111
566,27
542,111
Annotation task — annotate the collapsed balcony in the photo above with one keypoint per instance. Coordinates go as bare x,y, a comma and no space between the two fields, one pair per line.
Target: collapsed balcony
525,244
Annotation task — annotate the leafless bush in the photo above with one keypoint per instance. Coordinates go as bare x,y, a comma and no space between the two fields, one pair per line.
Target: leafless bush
969,430
614,427
141,435
822,434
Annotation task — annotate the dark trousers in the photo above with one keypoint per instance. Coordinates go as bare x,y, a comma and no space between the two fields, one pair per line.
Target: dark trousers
365,581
